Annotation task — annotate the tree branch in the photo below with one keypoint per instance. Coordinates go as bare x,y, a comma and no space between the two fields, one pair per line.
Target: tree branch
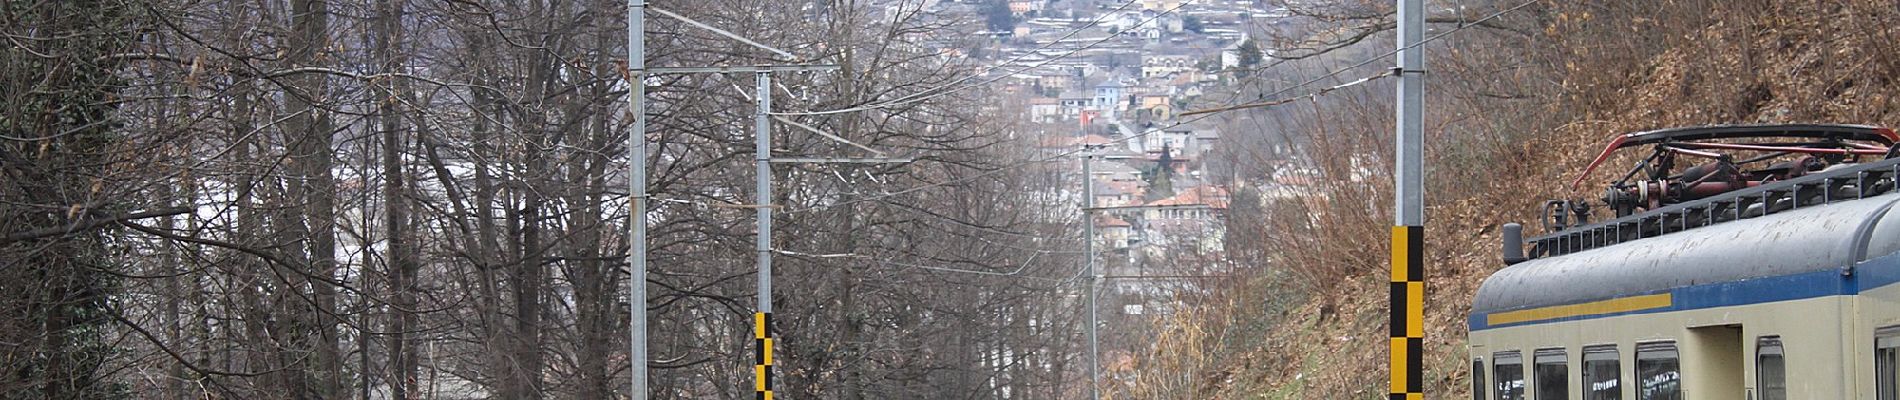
88,224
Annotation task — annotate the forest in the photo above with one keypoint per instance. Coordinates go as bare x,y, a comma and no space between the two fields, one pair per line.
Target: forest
428,199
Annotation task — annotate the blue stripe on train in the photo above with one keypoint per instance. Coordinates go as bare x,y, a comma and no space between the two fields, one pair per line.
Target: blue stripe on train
1874,273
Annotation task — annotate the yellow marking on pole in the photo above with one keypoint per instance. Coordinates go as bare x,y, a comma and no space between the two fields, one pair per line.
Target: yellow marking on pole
1415,309
1401,248
758,325
1611,306
1398,359
768,352
758,378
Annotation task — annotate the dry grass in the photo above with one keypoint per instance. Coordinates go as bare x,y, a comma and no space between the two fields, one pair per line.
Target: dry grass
1616,68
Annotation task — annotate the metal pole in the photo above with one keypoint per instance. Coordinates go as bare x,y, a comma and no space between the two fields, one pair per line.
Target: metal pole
1408,243
1095,278
762,149
637,186
762,155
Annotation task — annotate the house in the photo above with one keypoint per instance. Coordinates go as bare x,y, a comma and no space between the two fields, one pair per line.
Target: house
1108,97
1134,189
1114,231
1187,224
1166,64
1026,8
1202,141
1200,203
1073,102
1107,195
1054,81
1157,106
1176,139
1045,109
1115,172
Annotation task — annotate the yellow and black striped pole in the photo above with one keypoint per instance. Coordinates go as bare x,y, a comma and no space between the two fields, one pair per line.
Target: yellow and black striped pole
1408,230
1408,312
762,373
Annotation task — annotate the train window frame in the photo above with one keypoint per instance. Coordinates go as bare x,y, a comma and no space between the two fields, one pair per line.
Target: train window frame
1766,388
1597,354
1478,385
1541,362
1887,363
1656,351
1498,389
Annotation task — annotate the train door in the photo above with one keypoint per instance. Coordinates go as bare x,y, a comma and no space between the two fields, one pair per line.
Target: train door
1714,363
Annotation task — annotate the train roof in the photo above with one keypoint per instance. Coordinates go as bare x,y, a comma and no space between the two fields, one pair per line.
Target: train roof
1831,236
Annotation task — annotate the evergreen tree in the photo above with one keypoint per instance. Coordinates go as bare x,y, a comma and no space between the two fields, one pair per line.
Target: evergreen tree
1250,56
1161,180
997,16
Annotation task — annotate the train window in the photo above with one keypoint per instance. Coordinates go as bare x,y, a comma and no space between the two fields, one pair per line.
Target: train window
1508,372
1658,372
1477,379
1887,363
1602,373
1771,370
1552,372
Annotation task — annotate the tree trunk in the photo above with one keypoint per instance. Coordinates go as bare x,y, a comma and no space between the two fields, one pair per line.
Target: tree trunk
401,253
319,377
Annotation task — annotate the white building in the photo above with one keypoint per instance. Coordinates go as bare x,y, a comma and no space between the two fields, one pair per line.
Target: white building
1166,64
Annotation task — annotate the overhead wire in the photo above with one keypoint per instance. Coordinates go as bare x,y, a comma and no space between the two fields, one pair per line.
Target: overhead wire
1017,273
1461,26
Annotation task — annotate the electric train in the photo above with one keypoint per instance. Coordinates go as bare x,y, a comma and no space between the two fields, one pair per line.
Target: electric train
1768,277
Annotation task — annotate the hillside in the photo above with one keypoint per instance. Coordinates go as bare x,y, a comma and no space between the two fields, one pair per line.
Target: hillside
1614,69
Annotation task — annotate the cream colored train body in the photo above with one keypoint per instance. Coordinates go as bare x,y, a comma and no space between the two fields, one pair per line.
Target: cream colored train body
1798,304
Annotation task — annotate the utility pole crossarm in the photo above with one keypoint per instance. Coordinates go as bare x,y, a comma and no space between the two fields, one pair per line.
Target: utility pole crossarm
740,69
1149,207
